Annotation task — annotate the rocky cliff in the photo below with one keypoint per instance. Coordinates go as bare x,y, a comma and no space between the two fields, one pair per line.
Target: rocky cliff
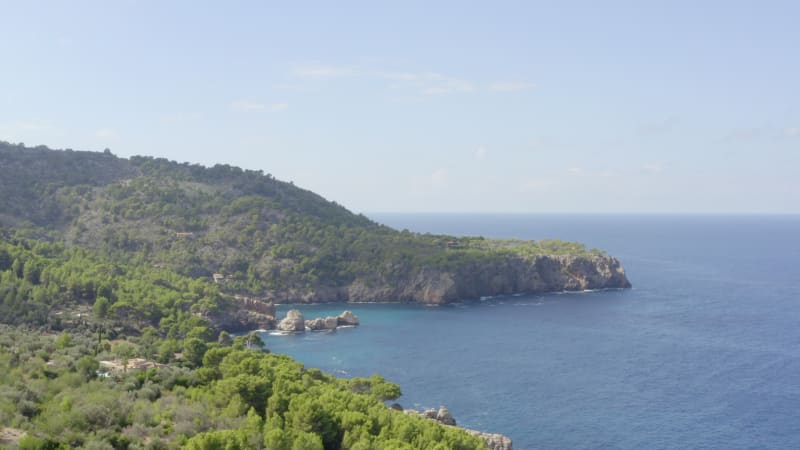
536,274
244,314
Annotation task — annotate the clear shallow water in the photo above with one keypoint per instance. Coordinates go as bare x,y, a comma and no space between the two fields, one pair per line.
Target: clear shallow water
703,352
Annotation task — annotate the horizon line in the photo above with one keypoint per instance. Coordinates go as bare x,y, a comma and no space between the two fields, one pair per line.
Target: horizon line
593,213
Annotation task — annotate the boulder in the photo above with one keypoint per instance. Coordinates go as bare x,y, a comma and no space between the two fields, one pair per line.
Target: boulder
331,323
322,324
315,324
493,441
429,413
293,322
347,318
444,416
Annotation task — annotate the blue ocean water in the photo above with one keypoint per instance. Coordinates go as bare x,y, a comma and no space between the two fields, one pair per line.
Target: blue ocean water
703,352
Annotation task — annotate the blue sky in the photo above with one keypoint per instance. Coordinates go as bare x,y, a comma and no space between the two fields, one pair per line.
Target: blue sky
637,106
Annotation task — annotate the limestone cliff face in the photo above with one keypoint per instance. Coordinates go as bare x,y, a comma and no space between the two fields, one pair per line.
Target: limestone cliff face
507,276
245,314
542,274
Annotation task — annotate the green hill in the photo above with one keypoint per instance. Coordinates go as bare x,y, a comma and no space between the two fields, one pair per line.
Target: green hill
265,237
147,262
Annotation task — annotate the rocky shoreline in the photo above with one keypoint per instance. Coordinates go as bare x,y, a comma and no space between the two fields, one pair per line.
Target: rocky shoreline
493,440
530,275
522,275
294,322
248,314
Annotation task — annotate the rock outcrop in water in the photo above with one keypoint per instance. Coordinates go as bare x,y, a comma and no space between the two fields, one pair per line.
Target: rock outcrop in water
293,321
347,318
322,324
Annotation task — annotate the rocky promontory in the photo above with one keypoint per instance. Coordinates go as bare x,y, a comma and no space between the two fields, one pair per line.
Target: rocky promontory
502,276
250,234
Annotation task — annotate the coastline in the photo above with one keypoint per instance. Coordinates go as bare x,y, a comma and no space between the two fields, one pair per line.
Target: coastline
457,302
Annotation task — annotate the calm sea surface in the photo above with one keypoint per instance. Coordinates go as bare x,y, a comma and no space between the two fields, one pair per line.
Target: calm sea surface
703,352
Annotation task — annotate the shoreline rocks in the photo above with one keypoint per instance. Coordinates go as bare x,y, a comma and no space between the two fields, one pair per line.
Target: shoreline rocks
493,440
295,322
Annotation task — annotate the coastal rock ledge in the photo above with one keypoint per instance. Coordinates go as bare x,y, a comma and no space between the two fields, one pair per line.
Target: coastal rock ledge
493,440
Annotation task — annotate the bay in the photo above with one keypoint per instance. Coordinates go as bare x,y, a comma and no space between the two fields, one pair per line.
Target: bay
703,352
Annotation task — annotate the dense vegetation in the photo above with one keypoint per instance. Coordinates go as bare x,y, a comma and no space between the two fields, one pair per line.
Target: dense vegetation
229,395
48,284
72,309
263,234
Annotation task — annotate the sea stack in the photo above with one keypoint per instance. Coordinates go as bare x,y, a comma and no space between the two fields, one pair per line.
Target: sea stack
293,321
347,318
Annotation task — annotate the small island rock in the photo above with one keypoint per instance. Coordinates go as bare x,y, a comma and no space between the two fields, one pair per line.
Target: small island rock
347,318
322,324
315,324
293,322
331,323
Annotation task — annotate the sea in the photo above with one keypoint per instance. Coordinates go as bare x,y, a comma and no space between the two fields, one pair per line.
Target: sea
703,352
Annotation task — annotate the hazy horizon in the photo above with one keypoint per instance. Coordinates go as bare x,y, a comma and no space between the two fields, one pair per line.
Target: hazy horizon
580,213
512,107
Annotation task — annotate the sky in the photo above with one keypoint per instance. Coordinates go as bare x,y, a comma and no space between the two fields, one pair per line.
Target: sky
529,107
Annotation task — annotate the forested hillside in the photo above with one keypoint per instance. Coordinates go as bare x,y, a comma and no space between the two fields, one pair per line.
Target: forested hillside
264,237
50,285
120,279
100,354
231,394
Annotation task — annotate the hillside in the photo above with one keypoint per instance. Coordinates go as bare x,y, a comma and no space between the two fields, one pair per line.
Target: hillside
267,238
68,391
144,265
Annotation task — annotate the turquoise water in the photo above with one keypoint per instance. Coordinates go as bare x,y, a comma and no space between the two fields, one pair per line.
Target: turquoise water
703,352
